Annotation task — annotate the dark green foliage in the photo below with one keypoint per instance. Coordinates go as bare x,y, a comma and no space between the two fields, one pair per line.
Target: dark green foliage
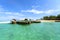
58,17
52,17
45,17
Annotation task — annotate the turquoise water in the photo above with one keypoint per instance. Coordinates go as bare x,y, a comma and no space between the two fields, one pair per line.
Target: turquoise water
36,31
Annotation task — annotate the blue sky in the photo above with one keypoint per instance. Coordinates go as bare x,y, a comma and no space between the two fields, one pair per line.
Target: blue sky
33,9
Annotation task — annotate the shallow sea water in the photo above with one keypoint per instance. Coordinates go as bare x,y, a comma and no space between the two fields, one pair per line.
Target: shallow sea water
34,31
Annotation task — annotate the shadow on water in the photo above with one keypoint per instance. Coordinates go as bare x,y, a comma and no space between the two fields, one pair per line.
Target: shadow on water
24,25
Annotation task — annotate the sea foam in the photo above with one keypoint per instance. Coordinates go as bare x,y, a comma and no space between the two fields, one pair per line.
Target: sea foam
5,22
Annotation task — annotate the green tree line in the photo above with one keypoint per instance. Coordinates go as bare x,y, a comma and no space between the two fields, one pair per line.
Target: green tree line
52,17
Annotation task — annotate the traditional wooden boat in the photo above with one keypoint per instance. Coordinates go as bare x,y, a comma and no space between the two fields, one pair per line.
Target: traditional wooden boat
24,21
35,21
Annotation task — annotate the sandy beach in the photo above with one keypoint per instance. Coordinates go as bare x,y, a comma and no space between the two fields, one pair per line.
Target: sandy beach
49,20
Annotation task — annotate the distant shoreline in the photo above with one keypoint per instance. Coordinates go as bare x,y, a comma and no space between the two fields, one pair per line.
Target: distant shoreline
38,20
49,20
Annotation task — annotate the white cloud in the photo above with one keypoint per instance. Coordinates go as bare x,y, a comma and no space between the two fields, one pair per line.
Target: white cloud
14,13
40,12
51,11
8,15
18,14
8,12
33,11
4,11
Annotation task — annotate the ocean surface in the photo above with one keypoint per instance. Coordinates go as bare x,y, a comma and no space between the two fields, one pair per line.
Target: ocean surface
34,31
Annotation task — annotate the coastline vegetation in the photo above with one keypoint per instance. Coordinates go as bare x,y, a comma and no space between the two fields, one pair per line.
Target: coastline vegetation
51,17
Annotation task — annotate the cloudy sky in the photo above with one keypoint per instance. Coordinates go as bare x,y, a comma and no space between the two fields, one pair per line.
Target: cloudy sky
33,9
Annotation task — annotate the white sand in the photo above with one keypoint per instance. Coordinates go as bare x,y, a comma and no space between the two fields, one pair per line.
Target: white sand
47,20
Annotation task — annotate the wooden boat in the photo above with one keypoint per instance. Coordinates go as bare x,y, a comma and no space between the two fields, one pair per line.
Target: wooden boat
13,21
35,21
23,22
